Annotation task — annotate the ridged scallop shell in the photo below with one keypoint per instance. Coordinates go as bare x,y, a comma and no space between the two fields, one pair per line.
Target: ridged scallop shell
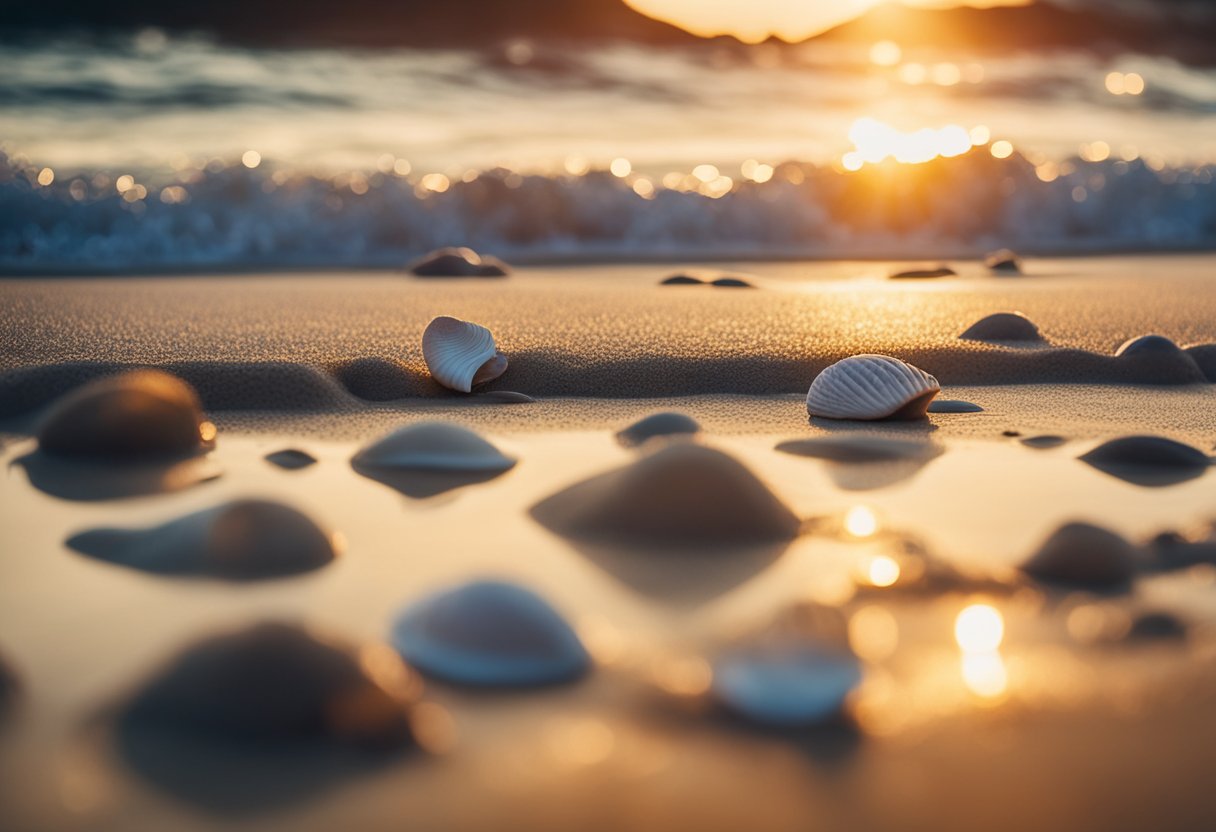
239,540
434,446
490,633
871,387
461,354
786,685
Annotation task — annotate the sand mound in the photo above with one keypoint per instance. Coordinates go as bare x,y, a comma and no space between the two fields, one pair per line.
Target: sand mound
669,423
241,540
1004,327
458,262
1204,356
1082,555
490,633
682,494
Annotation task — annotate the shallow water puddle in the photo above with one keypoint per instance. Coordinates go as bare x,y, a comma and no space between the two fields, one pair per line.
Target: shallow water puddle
651,621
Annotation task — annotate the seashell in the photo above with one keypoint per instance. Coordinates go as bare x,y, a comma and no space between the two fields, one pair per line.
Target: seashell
732,283
658,424
490,634
137,414
1003,261
871,387
682,280
434,446
458,262
1079,554
1011,327
240,540
277,683
924,273
1204,355
786,685
291,459
683,494
860,449
953,406
461,355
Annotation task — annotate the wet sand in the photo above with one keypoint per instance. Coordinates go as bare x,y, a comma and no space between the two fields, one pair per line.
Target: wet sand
1070,724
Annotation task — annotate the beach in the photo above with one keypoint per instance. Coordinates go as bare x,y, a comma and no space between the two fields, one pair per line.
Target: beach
1078,717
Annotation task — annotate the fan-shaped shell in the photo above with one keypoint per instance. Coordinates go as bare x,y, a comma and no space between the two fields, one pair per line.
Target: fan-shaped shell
490,633
240,540
434,446
786,685
1079,554
871,387
461,354
1003,326
668,423
278,683
458,262
138,414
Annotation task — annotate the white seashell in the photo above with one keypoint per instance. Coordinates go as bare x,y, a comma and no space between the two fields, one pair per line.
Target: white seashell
460,354
786,685
489,633
871,387
434,446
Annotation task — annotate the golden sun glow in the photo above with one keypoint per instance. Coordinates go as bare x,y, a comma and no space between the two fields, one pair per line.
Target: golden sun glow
755,20
875,141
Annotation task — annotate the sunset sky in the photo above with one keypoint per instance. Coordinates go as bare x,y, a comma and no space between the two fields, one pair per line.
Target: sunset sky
790,19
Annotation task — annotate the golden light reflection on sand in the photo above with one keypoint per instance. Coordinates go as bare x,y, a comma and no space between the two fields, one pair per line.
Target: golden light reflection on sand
861,521
979,630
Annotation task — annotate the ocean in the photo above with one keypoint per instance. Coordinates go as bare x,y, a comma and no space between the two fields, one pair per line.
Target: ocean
158,151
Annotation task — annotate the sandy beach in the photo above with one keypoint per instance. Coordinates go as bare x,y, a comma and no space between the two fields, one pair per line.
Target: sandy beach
1091,708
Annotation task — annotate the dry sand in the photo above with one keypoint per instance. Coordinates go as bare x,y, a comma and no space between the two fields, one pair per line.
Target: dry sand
1068,726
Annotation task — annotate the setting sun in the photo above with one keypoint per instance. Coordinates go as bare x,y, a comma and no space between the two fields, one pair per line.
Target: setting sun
793,20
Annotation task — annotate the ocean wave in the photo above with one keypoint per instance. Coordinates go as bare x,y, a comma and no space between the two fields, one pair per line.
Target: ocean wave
239,218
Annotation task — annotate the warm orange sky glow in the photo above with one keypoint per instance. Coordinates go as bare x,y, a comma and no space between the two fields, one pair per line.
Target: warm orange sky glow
755,20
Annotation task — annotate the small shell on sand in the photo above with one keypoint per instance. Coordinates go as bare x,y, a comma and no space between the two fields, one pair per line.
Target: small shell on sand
434,446
953,406
240,540
1003,261
683,494
291,459
490,634
277,683
1147,452
1081,555
460,354
732,283
871,387
786,685
138,414
925,273
1002,327
860,449
458,262
668,423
